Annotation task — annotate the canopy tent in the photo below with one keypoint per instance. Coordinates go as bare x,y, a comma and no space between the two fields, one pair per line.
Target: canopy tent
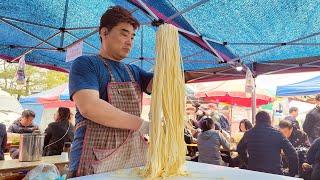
304,88
45,104
10,108
230,92
267,36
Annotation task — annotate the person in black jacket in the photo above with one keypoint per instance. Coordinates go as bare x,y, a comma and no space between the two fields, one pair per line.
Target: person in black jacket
311,124
294,112
58,133
313,157
261,147
22,125
297,137
3,140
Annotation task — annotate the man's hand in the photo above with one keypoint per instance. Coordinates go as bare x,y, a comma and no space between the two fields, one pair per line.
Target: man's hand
306,166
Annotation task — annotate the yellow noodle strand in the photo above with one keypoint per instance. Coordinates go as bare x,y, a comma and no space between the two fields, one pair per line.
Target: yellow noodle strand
166,154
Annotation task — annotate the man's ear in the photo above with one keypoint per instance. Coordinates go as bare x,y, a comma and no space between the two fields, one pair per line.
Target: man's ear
104,31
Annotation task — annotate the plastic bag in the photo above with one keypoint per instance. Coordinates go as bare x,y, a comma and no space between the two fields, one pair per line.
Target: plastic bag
44,171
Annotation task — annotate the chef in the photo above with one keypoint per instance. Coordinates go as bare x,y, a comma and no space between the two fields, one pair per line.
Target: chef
108,93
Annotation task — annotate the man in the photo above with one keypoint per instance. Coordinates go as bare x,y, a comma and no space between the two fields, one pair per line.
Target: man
224,120
297,137
313,157
22,125
107,94
263,144
311,124
294,112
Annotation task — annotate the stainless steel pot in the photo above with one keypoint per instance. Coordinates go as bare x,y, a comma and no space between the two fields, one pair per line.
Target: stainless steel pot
31,147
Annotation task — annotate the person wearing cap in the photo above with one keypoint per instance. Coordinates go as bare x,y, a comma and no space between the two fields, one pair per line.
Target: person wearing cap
260,148
108,93
311,124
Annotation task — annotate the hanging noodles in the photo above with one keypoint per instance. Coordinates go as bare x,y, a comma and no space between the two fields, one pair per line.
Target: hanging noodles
166,154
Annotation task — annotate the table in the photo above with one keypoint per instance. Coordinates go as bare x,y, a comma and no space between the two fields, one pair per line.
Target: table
233,147
196,171
11,166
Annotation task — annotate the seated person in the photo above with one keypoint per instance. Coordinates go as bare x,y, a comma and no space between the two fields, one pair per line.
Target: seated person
313,157
22,125
297,137
260,148
245,125
209,142
189,139
3,140
58,133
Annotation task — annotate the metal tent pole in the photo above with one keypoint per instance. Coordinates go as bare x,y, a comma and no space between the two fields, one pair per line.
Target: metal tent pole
254,101
64,21
186,10
28,22
27,32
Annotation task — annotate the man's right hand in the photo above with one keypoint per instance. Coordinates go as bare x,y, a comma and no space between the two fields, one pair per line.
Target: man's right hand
306,166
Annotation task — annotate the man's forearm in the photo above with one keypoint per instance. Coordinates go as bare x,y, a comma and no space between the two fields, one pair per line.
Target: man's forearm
105,114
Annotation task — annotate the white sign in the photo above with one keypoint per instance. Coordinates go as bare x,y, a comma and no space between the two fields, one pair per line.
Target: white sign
74,51
20,75
249,83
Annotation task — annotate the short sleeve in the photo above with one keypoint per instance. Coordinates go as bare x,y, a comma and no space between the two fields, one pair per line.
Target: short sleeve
82,75
144,77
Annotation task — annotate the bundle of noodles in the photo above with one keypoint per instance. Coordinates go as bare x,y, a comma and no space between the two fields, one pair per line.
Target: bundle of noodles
166,154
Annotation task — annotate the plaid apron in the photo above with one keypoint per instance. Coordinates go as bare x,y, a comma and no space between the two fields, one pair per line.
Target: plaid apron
107,149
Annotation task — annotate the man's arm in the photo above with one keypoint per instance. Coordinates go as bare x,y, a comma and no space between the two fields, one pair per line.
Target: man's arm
101,112
312,152
308,123
291,155
224,142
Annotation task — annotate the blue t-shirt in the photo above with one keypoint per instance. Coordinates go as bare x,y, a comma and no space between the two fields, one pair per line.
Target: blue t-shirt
89,72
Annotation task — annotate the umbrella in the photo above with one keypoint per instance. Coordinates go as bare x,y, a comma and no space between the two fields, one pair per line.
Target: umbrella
230,92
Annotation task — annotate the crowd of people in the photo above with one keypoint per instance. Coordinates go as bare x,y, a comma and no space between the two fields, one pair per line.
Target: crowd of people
286,148
57,134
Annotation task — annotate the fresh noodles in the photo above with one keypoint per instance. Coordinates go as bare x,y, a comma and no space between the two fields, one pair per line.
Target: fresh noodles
166,154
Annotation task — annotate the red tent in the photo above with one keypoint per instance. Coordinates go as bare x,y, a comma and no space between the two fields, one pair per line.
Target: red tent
230,92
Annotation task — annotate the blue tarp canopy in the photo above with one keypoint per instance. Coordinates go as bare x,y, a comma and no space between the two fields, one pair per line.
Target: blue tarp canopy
304,88
268,36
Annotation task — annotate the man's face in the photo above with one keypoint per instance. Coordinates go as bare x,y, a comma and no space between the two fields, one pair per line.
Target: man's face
295,113
286,132
26,121
119,41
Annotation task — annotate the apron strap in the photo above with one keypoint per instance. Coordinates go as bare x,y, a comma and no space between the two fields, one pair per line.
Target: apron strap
129,72
110,72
